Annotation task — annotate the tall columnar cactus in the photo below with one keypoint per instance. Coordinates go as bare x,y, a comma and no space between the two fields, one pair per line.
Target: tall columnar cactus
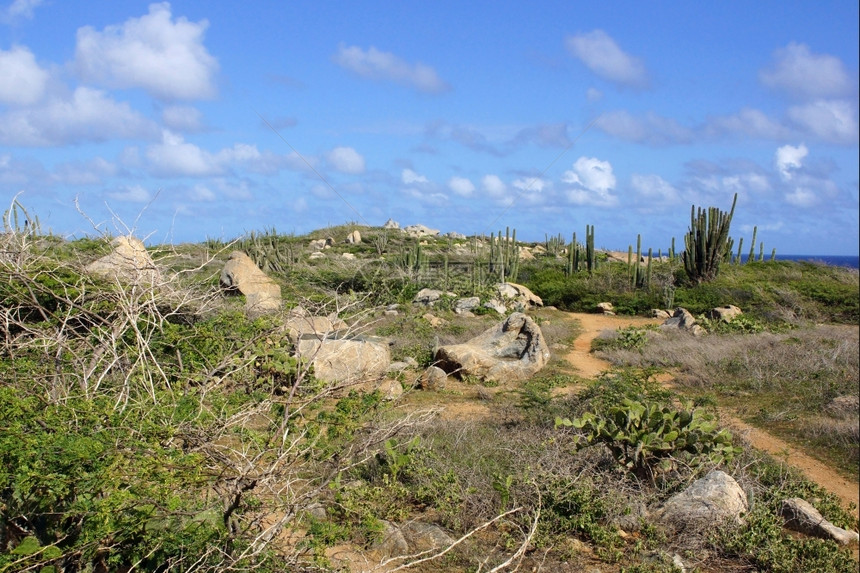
751,256
707,242
590,259
740,247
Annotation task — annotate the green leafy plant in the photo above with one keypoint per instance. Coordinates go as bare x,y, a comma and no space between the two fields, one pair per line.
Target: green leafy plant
650,438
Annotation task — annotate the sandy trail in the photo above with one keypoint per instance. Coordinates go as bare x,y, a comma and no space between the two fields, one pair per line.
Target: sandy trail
590,366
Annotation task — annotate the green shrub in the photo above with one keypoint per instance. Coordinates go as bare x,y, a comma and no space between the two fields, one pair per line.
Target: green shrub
650,438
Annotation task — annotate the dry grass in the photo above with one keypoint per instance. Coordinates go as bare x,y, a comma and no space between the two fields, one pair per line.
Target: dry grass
785,381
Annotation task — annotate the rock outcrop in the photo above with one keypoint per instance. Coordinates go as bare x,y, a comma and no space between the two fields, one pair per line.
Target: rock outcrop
514,349
420,231
128,263
241,274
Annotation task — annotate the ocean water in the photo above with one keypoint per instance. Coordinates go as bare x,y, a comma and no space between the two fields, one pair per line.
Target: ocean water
852,262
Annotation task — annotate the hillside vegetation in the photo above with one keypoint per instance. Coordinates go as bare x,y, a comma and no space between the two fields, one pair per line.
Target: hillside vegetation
154,426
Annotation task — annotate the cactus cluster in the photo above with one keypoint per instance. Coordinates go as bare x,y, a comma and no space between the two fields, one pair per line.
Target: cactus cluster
707,243
579,255
268,250
505,255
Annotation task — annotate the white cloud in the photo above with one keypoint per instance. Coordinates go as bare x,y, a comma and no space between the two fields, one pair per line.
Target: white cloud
493,185
654,188
789,158
91,172
833,121
346,160
409,177
748,123
89,115
530,184
799,72
593,94
166,58
599,52
182,118
23,80
131,194
428,198
176,157
651,129
802,197
375,64
461,186
201,193
592,183
531,189
20,9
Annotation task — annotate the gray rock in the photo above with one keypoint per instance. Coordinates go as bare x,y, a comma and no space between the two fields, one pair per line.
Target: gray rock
606,307
319,327
391,224
463,305
659,313
262,294
354,238
420,231
425,536
345,360
433,379
725,313
514,349
715,498
513,293
682,320
429,296
800,516
393,543
497,305
128,263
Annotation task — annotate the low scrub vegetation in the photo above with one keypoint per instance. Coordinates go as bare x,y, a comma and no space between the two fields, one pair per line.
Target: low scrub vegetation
153,426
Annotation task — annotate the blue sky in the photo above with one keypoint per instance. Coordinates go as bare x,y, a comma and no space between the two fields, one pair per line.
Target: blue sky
189,119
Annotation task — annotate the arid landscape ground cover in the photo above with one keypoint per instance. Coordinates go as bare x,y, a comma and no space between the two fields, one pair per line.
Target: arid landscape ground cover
156,426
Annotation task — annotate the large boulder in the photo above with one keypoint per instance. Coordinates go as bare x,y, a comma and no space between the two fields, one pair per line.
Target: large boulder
241,274
319,327
715,498
514,349
128,263
345,360
517,295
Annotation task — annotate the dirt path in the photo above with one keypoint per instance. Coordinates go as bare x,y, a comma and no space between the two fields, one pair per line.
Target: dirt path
590,366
